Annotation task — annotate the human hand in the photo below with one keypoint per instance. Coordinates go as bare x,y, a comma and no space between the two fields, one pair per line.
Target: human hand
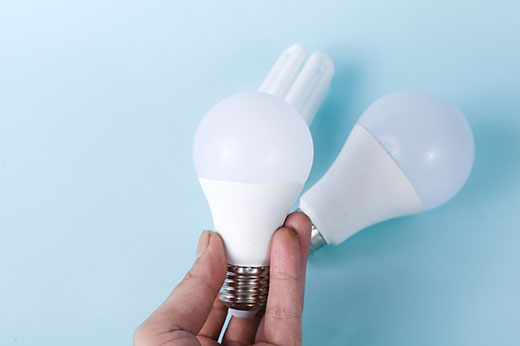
193,314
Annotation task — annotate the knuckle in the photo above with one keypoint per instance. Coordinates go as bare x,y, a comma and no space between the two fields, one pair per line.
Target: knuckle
195,278
284,313
283,275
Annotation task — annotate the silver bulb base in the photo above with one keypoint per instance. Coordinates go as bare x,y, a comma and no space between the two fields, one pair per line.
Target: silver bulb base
317,240
245,288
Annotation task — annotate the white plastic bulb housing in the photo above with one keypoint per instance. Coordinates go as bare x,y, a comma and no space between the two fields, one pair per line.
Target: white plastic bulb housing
252,152
410,151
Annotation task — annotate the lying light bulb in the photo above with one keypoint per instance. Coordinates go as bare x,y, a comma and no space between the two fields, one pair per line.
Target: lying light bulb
253,153
409,152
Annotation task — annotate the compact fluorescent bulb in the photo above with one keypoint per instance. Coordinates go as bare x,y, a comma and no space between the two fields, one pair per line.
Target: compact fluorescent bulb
409,152
253,153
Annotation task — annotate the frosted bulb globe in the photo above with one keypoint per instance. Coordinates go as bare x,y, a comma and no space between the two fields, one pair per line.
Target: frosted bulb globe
253,153
410,151
253,137
428,138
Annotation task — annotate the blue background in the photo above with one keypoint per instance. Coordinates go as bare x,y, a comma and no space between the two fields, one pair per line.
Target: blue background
100,208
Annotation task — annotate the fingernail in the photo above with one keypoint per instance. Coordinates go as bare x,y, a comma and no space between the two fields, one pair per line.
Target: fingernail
203,243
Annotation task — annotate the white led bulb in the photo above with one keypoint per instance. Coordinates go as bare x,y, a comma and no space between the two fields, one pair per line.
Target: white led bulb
409,152
253,153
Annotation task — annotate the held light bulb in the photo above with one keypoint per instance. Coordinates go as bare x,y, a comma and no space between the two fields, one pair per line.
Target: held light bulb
409,152
253,153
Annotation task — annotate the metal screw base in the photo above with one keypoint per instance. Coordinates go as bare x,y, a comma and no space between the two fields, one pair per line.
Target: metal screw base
245,288
317,240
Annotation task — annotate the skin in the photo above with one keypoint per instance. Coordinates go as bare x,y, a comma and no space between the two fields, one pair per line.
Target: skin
193,315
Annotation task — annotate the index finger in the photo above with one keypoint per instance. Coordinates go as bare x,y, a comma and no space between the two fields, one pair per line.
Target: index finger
282,319
301,224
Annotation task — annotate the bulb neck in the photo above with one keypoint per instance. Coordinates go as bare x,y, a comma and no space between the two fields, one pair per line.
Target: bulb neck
317,240
245,288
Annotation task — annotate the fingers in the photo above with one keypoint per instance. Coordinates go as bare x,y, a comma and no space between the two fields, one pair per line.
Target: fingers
215,321
189,304
242,331
185,312
282,320
301,224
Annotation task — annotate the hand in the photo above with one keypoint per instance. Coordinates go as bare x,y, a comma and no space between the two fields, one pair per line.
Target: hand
193,314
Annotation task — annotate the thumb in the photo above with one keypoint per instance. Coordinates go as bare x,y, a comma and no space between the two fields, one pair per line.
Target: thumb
189,304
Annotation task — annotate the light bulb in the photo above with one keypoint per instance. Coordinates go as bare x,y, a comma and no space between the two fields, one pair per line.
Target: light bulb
253,153
304,87
410,151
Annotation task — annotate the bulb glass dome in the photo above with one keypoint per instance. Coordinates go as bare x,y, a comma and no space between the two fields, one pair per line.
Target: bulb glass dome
253,137
429,139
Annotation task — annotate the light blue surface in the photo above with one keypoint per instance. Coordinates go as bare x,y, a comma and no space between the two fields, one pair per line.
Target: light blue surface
100,208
